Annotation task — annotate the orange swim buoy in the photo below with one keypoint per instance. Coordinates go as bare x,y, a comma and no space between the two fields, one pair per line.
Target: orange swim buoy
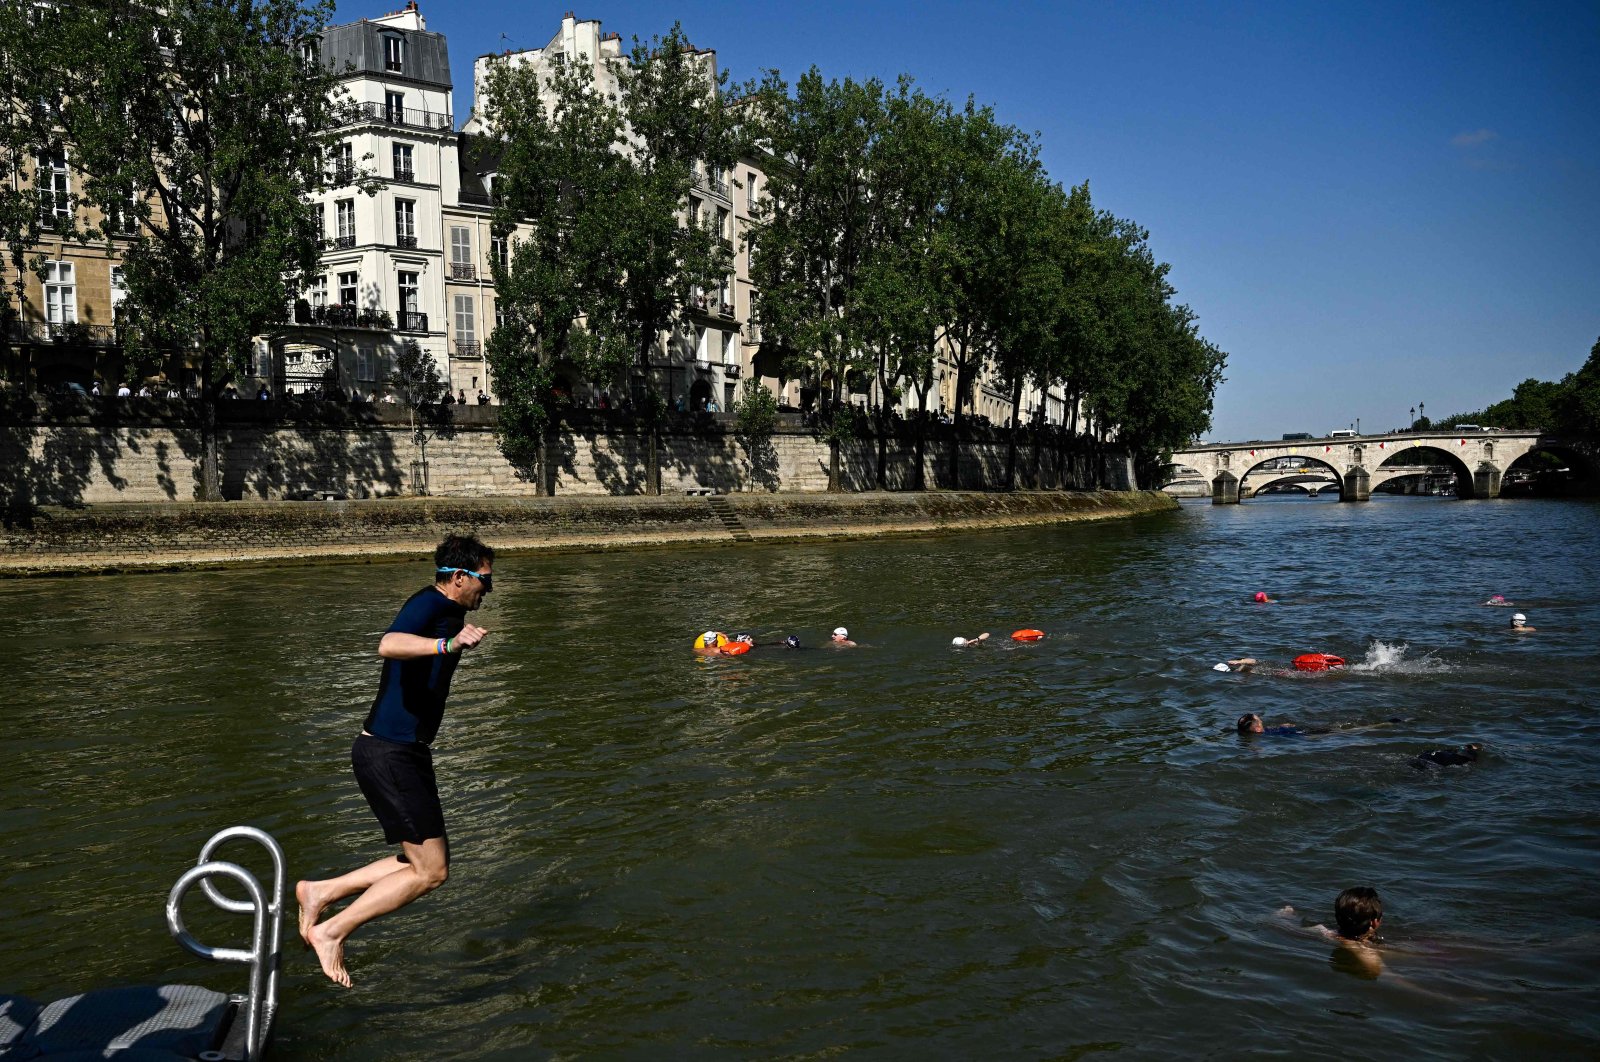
736,649
1317,661
1027,634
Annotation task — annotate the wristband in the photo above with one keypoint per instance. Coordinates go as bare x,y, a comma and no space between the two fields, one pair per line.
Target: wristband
448,647
438,647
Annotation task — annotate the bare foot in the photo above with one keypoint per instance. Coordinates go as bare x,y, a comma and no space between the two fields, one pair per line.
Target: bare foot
330,953
311,905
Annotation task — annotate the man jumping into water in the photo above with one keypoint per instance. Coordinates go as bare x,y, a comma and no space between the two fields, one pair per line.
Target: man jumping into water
392,759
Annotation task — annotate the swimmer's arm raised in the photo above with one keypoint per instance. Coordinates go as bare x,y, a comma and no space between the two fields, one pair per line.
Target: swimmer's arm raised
397,645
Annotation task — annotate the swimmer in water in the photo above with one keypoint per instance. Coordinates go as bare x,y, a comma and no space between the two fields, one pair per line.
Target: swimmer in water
1448,757
1519,624
1250,723
979,640
1244,663
713,643
1497,599
1262,598
841,639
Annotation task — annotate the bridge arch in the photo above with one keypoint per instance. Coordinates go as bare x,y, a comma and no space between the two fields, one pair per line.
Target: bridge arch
1424,456
1552,467
1270,470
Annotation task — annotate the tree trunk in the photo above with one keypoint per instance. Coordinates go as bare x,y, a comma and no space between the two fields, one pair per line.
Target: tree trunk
955,425
834,486
652,443
1011,444
210,486
919,478
883,448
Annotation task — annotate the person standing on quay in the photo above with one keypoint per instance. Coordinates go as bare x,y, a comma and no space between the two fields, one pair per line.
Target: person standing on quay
392,759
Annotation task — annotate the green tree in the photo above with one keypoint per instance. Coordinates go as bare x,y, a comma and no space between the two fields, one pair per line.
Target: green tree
899,323
557,171
676,123
813,234
203,126
973,267
27,126
416,380
1578,408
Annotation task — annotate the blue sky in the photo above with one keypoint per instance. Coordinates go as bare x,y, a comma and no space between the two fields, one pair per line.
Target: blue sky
1368,205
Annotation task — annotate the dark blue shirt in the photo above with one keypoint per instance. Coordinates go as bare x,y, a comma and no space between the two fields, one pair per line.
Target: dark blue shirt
411,693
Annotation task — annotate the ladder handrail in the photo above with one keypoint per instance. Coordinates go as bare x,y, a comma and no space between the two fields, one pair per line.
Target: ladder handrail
256,957
274,902
262,1003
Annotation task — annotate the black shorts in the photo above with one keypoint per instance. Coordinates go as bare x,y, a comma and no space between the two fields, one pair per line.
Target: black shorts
397,780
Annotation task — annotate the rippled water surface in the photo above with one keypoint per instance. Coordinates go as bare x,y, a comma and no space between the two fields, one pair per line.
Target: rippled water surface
901,851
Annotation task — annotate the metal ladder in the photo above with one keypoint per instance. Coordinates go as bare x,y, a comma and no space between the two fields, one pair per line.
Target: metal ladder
260,1005
173,1022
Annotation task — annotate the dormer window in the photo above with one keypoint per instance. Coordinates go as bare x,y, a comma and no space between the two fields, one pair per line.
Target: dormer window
394,54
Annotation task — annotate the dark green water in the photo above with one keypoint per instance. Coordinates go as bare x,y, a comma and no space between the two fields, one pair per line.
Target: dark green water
903,851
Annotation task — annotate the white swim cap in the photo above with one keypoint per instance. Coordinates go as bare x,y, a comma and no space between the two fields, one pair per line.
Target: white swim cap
1519,618
958,641
709,638
1220,667
840,632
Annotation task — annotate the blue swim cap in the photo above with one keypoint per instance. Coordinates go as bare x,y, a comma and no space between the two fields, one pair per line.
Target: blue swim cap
793,641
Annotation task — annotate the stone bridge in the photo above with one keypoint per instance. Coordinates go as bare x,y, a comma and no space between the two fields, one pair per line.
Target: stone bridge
1479,460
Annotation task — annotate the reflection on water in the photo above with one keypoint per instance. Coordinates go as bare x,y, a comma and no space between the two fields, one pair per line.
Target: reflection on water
1015,850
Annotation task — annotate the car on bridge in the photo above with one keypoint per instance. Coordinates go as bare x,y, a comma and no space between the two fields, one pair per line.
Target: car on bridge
1297,436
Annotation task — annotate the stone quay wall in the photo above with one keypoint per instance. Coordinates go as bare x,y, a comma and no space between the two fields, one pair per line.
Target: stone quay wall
148,451
154,536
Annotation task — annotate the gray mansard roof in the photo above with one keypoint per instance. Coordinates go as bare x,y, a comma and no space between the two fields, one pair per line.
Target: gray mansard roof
359,45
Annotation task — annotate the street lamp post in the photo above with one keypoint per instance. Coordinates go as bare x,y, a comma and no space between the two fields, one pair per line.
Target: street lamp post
1413,423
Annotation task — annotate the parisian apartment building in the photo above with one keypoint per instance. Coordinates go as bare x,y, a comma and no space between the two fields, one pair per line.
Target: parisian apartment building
406,228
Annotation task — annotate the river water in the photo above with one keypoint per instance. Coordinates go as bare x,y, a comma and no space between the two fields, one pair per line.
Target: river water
901,851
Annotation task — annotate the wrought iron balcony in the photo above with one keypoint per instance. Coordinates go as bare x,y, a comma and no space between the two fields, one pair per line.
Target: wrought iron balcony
407,116
67,333
344,241
463,271
344,173
405,241
408,175
411,321
731,370
469,348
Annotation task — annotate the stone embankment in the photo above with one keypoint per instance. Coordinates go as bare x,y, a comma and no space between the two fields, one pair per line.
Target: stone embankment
108,538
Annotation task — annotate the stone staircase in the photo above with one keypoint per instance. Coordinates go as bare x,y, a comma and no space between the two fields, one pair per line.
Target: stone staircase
730,519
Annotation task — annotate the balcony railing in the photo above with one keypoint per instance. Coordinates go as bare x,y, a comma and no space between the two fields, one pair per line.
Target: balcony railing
463,271
469,348
412,321
476,199
340,316
344,174
731,370
408,175
405,241
711,184
65,332
344,241
407,116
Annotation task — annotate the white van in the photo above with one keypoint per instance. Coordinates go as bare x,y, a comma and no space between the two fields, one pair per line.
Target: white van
1342,433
